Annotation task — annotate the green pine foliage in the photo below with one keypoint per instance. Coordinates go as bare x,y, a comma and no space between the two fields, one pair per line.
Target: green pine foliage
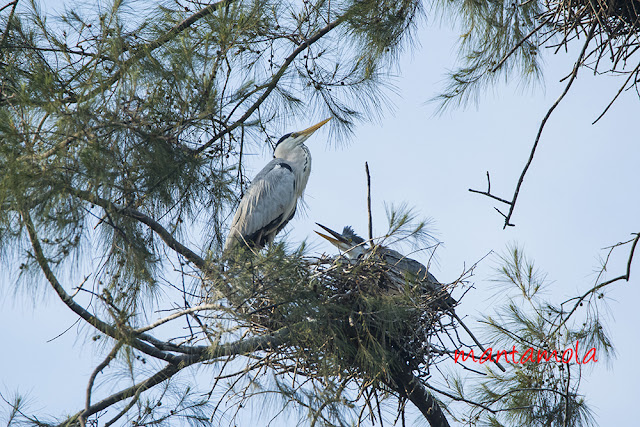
492,31
540,388
124,127
123,131
504,40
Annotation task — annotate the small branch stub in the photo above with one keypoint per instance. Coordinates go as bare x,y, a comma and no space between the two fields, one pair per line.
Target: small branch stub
366,168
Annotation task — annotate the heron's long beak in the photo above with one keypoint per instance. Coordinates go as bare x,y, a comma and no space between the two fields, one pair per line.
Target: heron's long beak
336,238
312,129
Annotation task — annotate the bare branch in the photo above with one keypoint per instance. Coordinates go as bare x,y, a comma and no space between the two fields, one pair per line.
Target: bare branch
95,373
624,85
594,289
488,192
77,308
574,73
366,168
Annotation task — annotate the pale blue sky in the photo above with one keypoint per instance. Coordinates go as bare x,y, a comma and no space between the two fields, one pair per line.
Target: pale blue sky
579,196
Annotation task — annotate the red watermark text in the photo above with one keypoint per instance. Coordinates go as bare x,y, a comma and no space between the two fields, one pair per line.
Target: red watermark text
530,355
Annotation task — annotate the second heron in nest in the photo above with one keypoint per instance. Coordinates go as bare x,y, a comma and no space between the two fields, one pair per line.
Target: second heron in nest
356,248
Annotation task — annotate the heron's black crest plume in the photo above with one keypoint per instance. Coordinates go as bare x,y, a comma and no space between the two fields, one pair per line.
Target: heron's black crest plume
350,234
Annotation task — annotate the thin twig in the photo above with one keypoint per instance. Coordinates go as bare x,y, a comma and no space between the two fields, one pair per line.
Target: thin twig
366,168
514,48
273,82
178,314
461,399
112,354
634,72
591,291
488,192
124,410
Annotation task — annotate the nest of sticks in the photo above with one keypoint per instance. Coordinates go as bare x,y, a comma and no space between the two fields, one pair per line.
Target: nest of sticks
614,17
363,317
383,307
615,23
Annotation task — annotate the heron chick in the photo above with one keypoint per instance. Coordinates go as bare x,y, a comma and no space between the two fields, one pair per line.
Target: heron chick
355,248
270,201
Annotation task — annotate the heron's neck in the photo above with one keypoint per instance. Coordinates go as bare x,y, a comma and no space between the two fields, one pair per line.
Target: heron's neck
300,160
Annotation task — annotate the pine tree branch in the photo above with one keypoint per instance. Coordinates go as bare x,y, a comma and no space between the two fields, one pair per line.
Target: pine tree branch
273,82
5,35
113,332
520,43
154,225
140,52
240,347
408,386
599,286
162,232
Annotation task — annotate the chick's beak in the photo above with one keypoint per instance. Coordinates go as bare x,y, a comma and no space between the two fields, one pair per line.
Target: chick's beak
329,238
335,238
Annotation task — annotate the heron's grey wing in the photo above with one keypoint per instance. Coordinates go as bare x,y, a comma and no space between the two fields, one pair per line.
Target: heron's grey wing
417,270
403,263
266,207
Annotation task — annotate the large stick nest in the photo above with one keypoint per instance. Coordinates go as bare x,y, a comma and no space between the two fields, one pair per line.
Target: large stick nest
357,317
615,17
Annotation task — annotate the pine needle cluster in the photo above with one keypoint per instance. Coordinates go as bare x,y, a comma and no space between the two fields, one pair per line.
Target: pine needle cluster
505,39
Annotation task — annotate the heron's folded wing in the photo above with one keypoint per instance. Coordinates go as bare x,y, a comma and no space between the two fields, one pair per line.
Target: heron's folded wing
268,202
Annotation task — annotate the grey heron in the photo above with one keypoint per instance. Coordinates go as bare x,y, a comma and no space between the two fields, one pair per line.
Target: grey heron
355,247
270,201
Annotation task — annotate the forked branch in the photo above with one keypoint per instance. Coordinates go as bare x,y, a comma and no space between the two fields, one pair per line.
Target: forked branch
579,300
512,202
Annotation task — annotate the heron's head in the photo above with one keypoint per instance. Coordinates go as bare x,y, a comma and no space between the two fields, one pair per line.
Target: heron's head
348,242
351,236
295,139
